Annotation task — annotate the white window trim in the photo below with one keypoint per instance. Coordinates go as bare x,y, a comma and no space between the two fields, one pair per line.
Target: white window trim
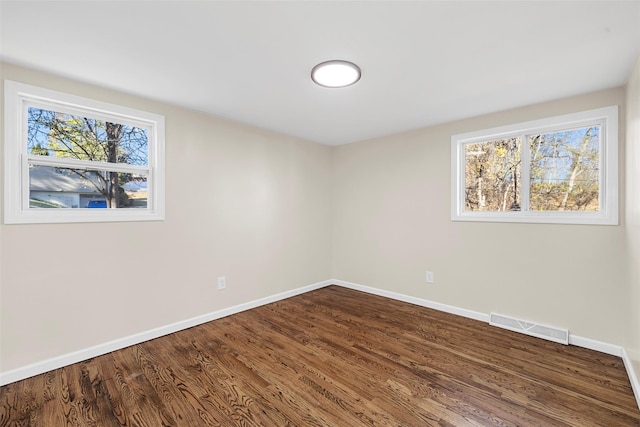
608,212
17,159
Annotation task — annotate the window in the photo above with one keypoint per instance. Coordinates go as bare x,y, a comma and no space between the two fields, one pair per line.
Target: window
71,159
558,170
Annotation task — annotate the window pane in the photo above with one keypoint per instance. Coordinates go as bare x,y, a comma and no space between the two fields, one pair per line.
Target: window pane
565,169
54,187
52,133
492,175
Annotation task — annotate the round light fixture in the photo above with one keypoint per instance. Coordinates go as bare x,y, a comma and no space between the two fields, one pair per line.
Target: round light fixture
336,73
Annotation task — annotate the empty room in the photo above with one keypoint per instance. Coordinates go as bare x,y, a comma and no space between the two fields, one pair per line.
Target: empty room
320,213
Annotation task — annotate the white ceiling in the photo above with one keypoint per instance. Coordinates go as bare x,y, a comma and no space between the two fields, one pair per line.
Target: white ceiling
423,62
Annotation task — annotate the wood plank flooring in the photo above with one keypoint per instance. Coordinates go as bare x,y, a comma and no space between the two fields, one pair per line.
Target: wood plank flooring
332,357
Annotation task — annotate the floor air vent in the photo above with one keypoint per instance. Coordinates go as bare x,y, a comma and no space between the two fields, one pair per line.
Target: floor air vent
541,331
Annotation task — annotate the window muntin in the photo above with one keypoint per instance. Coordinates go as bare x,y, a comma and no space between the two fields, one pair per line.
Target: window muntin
72,159
565,171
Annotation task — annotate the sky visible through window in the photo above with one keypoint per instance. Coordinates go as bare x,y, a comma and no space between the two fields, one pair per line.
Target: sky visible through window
564,170
52,133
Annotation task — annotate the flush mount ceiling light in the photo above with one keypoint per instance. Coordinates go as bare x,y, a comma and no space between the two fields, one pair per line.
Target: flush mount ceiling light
335,73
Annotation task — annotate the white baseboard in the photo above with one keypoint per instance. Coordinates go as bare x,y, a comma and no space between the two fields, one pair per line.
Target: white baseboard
483,317
100,349
615,350
603,347
633,378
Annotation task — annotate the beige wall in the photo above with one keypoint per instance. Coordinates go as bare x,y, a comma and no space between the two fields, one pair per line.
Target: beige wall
392,222
241,202
633,215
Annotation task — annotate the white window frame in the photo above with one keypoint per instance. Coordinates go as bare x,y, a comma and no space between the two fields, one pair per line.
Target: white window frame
607,214
18,97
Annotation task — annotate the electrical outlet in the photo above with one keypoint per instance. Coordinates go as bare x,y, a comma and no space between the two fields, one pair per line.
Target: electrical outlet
429,277
222,282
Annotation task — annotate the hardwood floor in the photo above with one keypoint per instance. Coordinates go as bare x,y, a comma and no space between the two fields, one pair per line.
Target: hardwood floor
332,357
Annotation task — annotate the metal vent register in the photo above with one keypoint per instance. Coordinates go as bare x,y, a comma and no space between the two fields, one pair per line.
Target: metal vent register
541,331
